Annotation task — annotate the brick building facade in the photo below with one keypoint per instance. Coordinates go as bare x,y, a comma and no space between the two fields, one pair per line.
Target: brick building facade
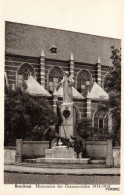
45,53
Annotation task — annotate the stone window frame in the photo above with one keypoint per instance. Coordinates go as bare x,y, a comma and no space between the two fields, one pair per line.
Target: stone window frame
18,69
48,75
102,116
78,112
90,77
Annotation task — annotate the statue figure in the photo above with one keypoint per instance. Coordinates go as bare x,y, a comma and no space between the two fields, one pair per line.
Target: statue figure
76,142
53,132
67,82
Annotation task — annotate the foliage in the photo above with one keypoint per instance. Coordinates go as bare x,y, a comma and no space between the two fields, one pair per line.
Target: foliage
101,136
112,85
84,128
103,105
87,132
23,112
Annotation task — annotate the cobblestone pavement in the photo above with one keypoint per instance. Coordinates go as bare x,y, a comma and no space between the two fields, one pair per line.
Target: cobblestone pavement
21,178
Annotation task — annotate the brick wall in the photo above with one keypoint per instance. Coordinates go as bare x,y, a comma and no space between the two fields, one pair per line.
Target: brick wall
81,105
13,62
90,68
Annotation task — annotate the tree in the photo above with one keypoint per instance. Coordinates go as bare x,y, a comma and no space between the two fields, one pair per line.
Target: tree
84,128
23,112
112,85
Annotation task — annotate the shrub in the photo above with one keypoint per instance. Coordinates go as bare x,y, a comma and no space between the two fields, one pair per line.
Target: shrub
23,112
84,128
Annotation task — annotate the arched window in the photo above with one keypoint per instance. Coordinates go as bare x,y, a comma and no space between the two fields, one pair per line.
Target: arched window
23,73
84,82
101,122
54,78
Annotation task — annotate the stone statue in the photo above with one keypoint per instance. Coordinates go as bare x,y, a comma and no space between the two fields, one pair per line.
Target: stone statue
53,132
67,82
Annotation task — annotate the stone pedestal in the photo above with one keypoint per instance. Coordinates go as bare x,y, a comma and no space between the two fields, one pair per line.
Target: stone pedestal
116,156
19,147
67,127
60,152
109,158
9,155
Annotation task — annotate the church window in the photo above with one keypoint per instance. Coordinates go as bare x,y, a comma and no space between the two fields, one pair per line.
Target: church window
55,76
23,74
101,122
84,82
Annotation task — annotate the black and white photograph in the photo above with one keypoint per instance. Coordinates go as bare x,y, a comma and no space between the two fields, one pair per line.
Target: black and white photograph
61,70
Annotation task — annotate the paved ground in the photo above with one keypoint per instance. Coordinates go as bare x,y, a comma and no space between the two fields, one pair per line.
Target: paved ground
22,178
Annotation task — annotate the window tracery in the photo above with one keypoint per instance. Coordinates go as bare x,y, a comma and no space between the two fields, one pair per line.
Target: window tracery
101,121
23,74
55,76
84,82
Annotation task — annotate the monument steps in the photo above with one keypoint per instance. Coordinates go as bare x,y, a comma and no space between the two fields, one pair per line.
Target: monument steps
59,160
91,161
75,163
64,160
64,166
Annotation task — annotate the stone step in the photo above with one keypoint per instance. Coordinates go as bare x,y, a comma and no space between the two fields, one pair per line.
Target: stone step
98,161
64,166
70,161
59,160
30,160
64,160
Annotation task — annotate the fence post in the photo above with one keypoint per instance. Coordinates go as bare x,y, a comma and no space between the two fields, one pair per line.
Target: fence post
109,158
19,147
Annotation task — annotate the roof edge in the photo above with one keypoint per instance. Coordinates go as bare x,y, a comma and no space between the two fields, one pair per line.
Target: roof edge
61,30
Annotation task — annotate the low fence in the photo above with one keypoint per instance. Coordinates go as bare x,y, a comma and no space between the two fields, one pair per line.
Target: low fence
96,149
35,149
30,149
100,150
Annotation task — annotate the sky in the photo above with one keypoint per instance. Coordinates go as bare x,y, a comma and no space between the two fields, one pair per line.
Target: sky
98,17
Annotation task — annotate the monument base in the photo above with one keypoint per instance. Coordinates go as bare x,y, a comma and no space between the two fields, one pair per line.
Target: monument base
61,155
60,152
69,162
